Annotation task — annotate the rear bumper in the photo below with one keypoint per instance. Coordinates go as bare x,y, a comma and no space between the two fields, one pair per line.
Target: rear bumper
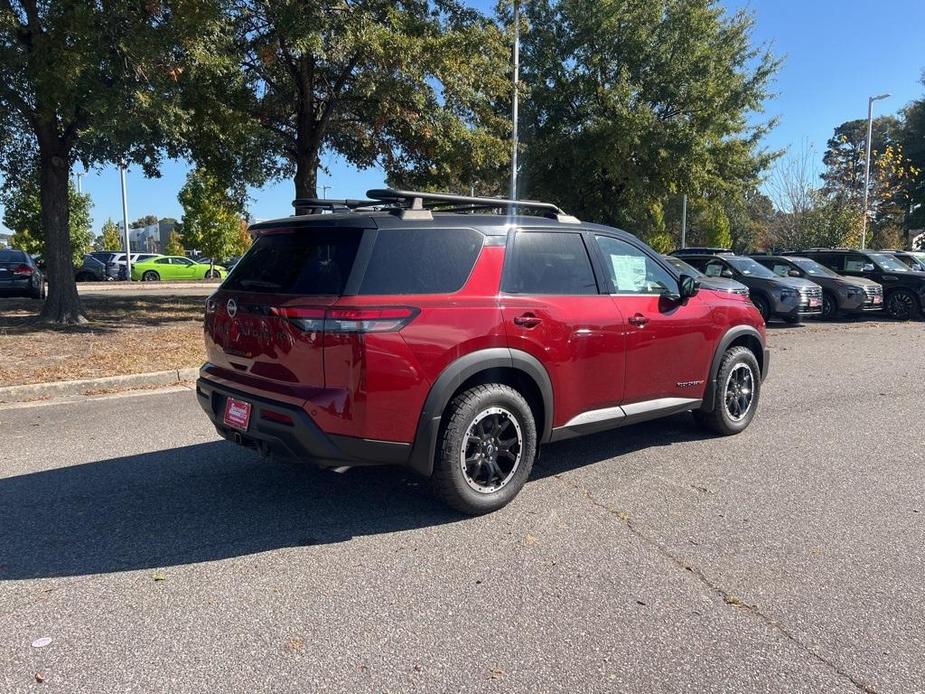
17,286
302,440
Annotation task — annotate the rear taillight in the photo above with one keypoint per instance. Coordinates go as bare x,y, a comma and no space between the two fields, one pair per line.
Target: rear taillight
349,320
23,271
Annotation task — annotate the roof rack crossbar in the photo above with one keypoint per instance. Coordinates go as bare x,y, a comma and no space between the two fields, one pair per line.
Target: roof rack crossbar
332,204
417,200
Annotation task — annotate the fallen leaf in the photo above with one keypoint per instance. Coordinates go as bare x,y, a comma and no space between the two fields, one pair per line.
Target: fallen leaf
39,677
295,645
530,540
159,576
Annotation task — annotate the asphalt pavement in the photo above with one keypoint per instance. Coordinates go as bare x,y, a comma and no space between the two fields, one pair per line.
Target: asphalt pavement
790,558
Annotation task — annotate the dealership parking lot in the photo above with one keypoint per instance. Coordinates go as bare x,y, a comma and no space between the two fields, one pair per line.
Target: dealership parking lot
655,558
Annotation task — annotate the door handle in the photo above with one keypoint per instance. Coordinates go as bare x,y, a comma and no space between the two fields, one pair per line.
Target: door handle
527,320
639,320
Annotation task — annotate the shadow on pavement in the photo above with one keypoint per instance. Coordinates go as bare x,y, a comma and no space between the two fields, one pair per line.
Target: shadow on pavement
215,501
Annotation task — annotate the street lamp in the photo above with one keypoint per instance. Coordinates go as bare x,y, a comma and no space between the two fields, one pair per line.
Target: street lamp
324,191
128,249
514,108
870,125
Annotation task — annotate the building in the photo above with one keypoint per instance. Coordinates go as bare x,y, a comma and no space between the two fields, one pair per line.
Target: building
151,238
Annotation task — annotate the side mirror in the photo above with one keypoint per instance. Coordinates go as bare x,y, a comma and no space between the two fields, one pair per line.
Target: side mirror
795,273
687,286
727,274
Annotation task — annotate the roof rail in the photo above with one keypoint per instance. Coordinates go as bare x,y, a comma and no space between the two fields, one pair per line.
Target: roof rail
417,205
315,205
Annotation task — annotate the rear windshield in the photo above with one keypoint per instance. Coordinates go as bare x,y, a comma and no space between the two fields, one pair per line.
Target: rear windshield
315,262
8,255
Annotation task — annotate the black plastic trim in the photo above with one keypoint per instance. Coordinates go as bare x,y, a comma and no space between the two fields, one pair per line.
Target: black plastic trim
735,332
425,440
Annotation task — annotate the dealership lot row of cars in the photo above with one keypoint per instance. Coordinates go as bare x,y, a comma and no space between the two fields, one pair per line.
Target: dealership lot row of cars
102,266
818,282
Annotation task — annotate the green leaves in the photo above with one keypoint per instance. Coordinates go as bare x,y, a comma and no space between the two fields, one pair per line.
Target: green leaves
211,219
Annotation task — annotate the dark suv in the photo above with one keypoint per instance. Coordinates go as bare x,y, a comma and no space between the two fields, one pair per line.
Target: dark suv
789,298
839,294
455,343
903,288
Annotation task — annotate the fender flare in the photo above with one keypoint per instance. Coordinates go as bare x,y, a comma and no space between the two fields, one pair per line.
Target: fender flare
455,374
730,336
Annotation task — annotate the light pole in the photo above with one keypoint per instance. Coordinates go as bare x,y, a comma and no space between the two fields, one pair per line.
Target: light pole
79,176
128,248
514,134
684,221
870,127
324,192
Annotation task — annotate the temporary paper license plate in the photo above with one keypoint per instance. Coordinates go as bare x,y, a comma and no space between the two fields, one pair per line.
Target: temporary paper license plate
878,299
237,414
815,303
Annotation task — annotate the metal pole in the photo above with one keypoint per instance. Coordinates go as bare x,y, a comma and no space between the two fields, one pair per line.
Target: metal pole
128,247
79,176
515,135
324,192
870,127
684,221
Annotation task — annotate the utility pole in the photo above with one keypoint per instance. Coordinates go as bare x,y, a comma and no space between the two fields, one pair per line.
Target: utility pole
79,176
128,247
870,127
684,221
515,135
324,192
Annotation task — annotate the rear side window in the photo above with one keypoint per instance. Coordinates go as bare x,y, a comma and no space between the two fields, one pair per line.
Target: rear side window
421,261
306,261
549,263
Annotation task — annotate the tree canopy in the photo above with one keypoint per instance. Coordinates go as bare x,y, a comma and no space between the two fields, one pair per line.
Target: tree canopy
630,104
211,218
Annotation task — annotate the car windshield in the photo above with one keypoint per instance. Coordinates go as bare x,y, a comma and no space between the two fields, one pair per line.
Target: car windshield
749,267
889,262
811,267
682,266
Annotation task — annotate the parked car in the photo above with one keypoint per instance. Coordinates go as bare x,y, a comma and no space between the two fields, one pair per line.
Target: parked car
382,337
721,284
136,258
97,266
788,298
175,267
903,288
839,294
914,259
20,275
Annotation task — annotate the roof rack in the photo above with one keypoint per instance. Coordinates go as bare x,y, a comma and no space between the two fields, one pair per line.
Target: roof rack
419,205
315,205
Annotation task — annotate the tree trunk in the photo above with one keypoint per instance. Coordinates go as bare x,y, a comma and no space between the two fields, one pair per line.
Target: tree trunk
63,303
306,176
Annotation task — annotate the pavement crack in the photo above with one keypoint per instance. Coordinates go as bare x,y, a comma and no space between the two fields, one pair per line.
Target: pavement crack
728,598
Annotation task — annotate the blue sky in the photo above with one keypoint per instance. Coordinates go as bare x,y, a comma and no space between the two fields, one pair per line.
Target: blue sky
836,53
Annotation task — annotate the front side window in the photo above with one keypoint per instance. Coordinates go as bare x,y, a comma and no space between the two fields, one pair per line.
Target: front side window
715,268
855,263
549,263
632,271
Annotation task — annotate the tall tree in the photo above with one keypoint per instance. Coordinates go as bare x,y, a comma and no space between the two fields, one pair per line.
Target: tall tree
84,81
846,153
406,85
23,215
211,217
143,222
912,137
630,104
111,236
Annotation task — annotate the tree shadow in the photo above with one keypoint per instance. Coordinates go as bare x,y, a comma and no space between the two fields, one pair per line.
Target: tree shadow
107,314
215,501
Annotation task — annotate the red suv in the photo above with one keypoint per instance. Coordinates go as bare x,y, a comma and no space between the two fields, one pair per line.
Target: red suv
422,330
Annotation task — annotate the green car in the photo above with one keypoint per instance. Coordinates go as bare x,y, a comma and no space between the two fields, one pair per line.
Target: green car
175,267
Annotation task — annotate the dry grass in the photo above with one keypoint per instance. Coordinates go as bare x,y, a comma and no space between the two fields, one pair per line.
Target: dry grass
126,335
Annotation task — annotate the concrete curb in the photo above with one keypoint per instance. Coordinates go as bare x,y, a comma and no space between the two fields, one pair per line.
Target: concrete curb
57,389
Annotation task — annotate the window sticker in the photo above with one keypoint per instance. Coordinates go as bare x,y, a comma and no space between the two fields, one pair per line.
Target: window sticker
629,272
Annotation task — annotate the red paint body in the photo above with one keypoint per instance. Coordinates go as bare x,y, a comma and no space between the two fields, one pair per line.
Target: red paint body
599,350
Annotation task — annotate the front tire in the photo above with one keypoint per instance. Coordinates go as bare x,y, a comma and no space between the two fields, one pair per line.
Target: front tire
829,306
738,387
486,450
763,307
902,304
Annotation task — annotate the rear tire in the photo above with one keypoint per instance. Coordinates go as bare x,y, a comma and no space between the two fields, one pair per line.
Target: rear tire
486,449
902,304
150,276
738,387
